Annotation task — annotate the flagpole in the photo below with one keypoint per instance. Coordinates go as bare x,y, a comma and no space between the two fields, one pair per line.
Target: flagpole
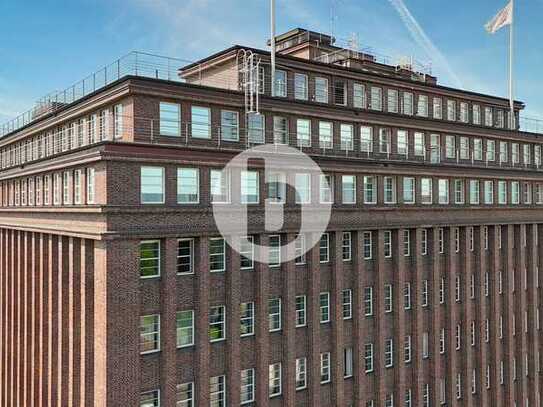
511,103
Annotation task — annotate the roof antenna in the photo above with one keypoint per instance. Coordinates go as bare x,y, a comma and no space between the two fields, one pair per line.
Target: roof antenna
333,16
272,44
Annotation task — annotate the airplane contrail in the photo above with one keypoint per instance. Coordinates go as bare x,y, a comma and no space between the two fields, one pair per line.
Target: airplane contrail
423,40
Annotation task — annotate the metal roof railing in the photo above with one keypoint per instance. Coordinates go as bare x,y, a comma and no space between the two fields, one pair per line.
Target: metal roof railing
135,63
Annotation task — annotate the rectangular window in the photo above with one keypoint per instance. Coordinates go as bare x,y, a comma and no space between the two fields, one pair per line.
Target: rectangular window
346,246
407,296
443,191
149,258
515,192
303,188
301,373
250,187
515,153
274,253
325,135
150,399
325,367
326,191
324,306
152,185
390,190
185,254
324,248
300,249
300,311
321,90
277,187
184,395
425,293
387,242
464,148
217,323
66,198
451,110
170,119
376,102
392,100
388,298
389,353
247,382
438,108
200,122
368,301
90,187
340,93
502,192
280,83
402,142
526,156
490,150
246,252
359,96
274,314
464,114
247,318
407,349
450,147
303,132
149,333
420,144
300,86
489,192
488,116
477,149
229,125
368,357
347,304
185,328
384,141
474,192
346,137
370,190
217,254
426,190
435,148
280,130
188,185
422,106
255,128
408,190
217,391
219,185
408,103
77,188
347,362
459,191
367,238
406,243
504,155
366,139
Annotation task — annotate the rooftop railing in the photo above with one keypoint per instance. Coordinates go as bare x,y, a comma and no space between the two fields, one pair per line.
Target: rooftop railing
135,63
150,66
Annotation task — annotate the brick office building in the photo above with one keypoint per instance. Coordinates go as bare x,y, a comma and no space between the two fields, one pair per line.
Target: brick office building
117,291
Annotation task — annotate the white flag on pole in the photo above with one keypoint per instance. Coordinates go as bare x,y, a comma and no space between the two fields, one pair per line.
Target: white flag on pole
503,18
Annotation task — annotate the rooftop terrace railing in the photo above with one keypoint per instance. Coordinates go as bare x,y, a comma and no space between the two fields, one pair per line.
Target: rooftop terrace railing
135,63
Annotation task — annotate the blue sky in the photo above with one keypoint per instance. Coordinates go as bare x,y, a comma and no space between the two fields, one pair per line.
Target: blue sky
48,45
